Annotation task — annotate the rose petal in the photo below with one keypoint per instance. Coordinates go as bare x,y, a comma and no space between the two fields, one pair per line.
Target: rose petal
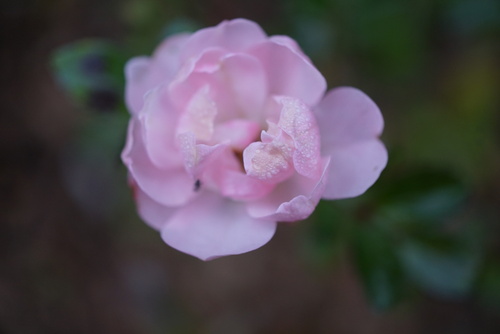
347,115
354,168
270,162
237,83
144,73
238,133
288,73
300,124
194,75
295,199
225,175
199,116
350,123
235,35
291,44
197,156
244,78
171,187
137,83
158,120
212,226
150,211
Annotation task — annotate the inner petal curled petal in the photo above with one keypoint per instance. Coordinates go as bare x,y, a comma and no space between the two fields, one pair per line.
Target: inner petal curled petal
299,123
269,161
199,116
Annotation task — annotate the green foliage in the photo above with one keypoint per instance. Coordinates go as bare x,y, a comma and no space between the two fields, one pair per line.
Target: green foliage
489,283
326,237
91,71
445,266
410,232
378,266
422,197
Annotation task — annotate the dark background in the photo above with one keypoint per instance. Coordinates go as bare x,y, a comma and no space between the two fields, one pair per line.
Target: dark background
74,257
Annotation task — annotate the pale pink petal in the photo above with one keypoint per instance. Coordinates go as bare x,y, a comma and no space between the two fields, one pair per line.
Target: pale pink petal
144,73
238,133
194,75
136,74
199,116
158,120
300,124
212,226
292,200
243,77
241,187
235,35
270,162
347,115
150,211
167,54
171,187
288,73
290,43
350,123
226,176
197,156
354,168
237,83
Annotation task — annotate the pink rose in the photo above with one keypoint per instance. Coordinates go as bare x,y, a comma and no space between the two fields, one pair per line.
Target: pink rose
231,132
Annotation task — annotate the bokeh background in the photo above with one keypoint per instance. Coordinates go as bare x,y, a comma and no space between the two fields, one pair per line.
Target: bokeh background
418,253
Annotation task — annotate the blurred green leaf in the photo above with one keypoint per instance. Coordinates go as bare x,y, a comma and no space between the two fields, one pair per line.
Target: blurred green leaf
326,234
104,133
425,197
445,266
91,71
91,164
472,17
387,35
380,272
489,283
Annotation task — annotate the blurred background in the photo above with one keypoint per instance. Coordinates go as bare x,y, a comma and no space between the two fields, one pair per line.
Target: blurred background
418,253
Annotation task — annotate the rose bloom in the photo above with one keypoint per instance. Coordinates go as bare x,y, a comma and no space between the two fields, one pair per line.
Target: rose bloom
231,132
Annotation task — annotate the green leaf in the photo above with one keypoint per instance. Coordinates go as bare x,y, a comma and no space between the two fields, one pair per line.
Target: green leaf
326,233
444,265
489,284
379,268
91,71
426,196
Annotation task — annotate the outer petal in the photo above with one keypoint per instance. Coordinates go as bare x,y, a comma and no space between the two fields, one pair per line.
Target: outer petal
292,200
152,212
171,187
354,168
288,73
144,73
347,115
136,73
158,120
212,226
350,123
235,35
290,43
